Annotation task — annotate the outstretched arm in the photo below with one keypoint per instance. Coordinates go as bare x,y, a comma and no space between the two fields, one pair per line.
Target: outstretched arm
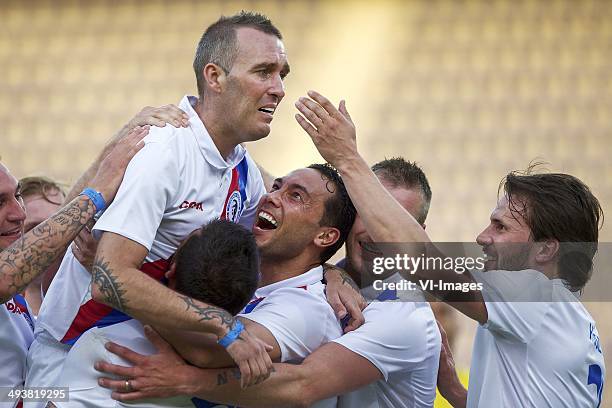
35,251
331,370
333,133
202,350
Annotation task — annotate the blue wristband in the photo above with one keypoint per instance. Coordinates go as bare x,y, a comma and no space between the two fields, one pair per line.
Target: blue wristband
232,335
95,198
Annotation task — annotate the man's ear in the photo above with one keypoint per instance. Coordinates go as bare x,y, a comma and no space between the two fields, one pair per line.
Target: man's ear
328,236
214,76
170,274
547,251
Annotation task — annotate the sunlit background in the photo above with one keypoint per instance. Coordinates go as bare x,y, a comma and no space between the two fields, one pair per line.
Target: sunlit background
468,89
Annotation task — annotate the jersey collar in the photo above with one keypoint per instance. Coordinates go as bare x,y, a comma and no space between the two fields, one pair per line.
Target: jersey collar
312,276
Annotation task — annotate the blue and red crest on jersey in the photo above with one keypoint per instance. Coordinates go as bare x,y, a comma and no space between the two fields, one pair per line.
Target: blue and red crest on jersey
236,195
20,307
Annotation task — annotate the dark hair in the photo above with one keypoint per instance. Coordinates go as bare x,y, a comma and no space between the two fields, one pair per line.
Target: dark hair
401,173
41,185
339,210
219,265
218,43
561,207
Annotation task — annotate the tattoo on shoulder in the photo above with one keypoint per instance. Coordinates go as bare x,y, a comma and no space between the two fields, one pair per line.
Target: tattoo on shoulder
108,285
208,312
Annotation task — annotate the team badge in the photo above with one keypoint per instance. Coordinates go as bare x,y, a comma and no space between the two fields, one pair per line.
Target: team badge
233,209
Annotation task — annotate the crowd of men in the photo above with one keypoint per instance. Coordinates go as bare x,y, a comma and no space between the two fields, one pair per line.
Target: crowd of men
173,274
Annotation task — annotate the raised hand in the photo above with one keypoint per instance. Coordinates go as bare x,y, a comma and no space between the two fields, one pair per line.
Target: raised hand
331,129
111,170
150,115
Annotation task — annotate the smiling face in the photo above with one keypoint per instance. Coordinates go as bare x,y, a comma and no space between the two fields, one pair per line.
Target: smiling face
254,87
359,247
12,210
289,215
506,242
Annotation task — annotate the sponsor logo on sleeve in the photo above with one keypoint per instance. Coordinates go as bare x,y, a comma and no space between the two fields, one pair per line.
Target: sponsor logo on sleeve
191,204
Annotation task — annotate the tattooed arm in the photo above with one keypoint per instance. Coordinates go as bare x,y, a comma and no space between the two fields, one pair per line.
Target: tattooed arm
32,254
202,350
35,251
117,282
331,370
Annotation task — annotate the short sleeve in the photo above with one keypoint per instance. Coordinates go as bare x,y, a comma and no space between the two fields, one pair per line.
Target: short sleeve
393,338
517,302
149,184
299,321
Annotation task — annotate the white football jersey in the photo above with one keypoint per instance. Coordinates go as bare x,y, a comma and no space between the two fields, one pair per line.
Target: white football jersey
178,182
79,371
294,310
15,337
402,340
535,354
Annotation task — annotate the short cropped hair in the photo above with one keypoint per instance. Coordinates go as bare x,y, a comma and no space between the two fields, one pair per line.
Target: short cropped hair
219,265
218,43
561,207
401,173
43,186
339,209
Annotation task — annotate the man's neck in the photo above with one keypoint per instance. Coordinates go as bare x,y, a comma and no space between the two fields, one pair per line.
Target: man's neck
220,136
275,270
550,270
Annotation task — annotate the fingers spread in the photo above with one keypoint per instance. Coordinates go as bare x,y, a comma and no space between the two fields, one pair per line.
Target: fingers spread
344,111
324,103
312,132
131,396
322,113
309,114
109,368
125,352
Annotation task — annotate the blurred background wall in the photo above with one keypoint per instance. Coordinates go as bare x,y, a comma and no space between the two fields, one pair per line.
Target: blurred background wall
468,89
